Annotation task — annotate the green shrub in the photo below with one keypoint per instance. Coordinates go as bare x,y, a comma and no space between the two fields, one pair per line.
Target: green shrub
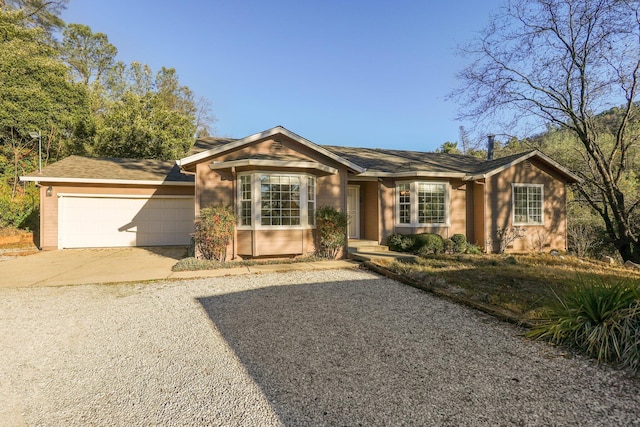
473,249
331,231
598,319
428,244
448,246
401,242
19,210
459,243
214,231
631,329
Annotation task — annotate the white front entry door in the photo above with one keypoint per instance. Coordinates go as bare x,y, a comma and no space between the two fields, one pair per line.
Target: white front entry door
353,211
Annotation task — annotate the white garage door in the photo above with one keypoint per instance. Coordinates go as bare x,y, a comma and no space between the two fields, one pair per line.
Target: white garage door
112,221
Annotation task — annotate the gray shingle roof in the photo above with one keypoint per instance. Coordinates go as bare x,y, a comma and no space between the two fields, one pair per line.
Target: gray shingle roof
374,160
113,169
394,161
207,143
381,160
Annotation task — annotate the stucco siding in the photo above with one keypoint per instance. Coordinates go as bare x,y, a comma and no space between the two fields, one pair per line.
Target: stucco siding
387,209
245,242
213,188
500,207
478,238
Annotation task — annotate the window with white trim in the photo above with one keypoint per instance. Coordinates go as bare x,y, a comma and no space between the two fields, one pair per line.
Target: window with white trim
276,200
404,203
431,203
245,200
528,204
422,203
311,200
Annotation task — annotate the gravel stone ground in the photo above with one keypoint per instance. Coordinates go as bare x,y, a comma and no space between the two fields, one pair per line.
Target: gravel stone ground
339,347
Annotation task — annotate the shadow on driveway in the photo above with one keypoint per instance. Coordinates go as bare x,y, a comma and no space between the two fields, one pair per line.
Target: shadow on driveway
367,353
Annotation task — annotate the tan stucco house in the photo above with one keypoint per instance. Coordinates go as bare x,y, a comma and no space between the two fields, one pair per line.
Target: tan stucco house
276,180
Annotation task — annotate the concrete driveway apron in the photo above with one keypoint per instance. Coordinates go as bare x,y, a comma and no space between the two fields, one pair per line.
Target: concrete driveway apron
78,266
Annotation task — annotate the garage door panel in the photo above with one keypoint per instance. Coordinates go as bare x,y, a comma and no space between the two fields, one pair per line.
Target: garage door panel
118,221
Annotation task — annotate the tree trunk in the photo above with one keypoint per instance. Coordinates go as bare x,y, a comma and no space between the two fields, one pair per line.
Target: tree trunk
629,249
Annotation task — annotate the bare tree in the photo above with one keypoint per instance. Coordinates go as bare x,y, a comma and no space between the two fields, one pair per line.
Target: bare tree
560,62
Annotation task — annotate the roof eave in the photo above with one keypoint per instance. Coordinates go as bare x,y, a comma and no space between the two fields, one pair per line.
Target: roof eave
535,153
103,181
274,163
424,174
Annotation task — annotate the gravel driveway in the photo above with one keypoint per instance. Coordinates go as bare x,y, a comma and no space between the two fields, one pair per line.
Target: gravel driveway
339,347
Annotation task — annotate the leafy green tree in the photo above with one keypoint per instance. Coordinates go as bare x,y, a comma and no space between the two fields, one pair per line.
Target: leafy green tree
37,95
560,62
36,92
88,54
143,127
42,13
143,115
449,148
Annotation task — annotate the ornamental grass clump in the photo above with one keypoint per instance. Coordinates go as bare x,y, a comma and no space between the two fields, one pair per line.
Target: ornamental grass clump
214,232
599,319
331,231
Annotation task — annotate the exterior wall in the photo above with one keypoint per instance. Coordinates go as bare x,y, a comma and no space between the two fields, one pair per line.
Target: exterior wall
457,211
277,146
387,209
219,187
500,207
256,243
213,187
49,205
478,215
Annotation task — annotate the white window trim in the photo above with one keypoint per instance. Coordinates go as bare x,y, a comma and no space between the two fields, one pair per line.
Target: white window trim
413,204
513,204
256,201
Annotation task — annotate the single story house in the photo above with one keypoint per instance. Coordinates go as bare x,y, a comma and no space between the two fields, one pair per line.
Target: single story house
277,179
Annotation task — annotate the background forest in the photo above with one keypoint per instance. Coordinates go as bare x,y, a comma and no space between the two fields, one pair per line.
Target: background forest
63,87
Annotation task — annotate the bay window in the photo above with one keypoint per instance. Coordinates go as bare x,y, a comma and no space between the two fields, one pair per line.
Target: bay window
276,200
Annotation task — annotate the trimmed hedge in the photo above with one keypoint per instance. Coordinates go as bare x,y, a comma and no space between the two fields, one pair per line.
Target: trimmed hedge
430,244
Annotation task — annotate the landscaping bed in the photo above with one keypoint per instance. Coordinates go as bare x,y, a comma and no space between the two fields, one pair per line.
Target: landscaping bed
15,242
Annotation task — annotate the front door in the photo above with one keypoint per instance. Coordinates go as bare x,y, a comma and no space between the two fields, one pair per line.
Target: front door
353,211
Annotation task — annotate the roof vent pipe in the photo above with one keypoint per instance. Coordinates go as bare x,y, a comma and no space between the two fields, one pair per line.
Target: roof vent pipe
491,145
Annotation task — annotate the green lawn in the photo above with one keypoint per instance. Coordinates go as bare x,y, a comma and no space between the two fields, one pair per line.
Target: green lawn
521,284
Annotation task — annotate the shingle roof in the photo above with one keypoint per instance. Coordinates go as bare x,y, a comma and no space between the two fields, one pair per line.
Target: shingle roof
377,161
207,143
394,161
93,168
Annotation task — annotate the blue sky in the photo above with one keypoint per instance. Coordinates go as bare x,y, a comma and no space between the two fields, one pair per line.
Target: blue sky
357,73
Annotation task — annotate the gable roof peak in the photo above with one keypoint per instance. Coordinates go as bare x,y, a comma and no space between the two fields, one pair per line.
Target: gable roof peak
238,143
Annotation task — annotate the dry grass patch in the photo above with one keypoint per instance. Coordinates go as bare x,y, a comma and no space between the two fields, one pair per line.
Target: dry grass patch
521,284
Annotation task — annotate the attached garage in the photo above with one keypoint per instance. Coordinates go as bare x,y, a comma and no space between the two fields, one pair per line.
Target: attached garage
116,220
104,202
